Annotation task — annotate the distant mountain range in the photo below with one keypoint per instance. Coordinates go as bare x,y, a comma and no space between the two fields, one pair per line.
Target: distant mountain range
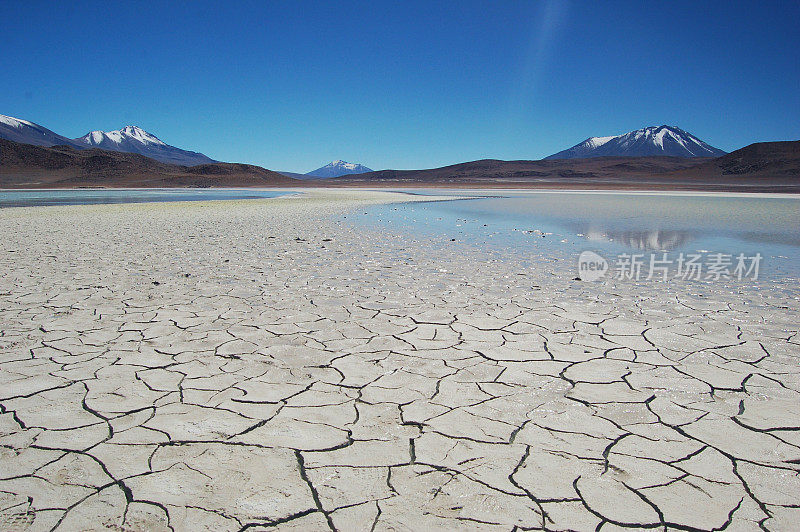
759,167
130,139
651,141
35,157
338,169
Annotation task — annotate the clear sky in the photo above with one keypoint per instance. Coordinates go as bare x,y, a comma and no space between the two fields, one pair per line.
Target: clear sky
292,85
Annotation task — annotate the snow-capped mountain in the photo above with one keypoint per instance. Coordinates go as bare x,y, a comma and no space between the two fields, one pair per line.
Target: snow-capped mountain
130,139
134,139
655,140
339,168
25,132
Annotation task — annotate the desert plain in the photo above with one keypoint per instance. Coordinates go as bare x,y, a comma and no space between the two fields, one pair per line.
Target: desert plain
268,365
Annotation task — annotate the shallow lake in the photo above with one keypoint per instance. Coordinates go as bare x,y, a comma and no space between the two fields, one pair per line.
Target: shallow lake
613,224
31,198
553,223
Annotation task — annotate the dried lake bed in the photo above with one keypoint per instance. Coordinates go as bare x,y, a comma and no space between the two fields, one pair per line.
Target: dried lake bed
280,364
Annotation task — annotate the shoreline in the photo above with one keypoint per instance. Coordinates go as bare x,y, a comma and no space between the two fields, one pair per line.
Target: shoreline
449,189
589,184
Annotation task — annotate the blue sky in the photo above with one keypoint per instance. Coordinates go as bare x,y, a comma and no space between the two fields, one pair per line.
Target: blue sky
291,85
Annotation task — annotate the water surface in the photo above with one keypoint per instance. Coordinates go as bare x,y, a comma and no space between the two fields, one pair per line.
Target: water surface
612,224
32,198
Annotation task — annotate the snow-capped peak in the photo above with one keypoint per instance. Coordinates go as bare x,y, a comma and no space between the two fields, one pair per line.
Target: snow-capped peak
133,139
14,122
141,135
341,164
27,132
128,133
339,168
596,142
658,135
648,141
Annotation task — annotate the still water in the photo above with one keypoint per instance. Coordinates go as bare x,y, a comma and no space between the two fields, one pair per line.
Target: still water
31,198
612,224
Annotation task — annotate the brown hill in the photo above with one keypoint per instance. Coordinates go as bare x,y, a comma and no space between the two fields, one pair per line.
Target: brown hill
760,167
28,166
520,172
763,160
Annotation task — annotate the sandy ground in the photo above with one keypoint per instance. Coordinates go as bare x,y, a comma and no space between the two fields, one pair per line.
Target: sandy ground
258,364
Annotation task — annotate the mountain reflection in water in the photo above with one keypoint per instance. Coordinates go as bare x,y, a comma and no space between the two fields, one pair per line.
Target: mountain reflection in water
652,240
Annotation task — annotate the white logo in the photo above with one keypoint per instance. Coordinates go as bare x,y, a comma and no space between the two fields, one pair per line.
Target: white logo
591,266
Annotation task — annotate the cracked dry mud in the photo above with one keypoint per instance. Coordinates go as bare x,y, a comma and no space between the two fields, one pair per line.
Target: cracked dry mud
258,365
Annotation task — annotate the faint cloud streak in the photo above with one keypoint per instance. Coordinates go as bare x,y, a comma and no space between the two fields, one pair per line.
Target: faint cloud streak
546,22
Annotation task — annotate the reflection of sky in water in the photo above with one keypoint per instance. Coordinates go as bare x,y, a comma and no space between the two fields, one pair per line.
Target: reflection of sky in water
30,198
568,223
